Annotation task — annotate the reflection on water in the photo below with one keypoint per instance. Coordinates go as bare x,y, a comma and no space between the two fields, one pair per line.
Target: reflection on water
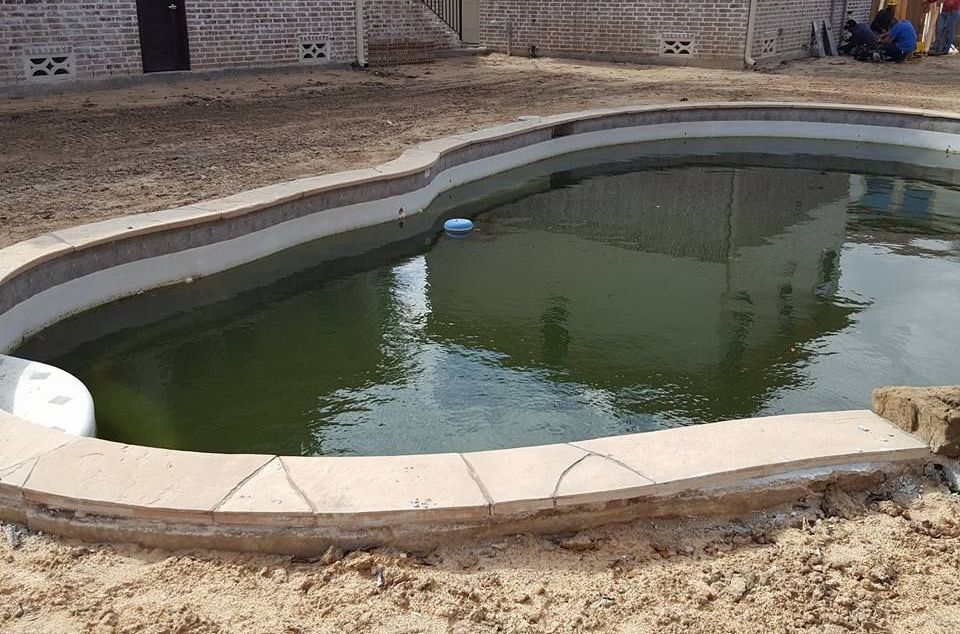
593,300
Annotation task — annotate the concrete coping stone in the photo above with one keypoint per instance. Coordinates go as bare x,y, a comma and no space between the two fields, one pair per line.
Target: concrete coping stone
89,476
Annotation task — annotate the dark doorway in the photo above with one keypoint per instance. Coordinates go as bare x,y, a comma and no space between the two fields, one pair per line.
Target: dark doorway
163,35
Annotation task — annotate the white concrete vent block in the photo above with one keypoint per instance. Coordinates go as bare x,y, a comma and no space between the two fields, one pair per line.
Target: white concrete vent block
313,49
676,44
45,64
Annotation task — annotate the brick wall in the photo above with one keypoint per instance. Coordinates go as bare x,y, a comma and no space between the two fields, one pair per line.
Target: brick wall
250,33
406,20
102,35
403,31
614,28
634,28
788,22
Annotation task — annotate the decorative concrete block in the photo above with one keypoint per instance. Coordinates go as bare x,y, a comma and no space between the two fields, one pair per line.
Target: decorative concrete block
932,413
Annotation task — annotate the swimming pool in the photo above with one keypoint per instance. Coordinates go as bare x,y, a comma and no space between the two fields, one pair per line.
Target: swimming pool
610,291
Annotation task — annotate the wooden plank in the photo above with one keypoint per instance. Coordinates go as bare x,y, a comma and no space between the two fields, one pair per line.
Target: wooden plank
817,40
831,43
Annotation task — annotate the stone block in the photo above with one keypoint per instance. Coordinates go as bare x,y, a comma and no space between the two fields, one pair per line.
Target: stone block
931,413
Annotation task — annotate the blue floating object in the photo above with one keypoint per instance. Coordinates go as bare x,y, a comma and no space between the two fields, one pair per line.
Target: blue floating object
458,227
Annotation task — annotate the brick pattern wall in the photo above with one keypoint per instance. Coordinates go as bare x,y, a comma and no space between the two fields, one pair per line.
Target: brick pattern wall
633,28
105,39
103,35
408,20
789,21
250,33
609,27
404,31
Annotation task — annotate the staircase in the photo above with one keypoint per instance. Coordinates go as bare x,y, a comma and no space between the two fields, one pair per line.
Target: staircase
450,11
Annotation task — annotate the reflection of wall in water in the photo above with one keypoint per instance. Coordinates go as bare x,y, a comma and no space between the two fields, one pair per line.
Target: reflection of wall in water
896,211
701,212
670,260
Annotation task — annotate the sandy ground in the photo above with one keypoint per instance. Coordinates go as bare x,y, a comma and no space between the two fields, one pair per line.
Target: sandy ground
887,561
71,158
884,563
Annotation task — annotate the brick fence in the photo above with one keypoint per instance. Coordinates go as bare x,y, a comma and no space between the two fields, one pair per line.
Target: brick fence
87,39
704,32
43,40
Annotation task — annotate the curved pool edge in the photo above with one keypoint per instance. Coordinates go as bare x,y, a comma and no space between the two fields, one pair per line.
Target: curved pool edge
55,275
104,491
98,490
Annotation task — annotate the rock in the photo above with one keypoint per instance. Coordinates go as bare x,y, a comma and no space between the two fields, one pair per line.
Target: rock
838,503
883,575
737,588
603,601
425,586
705,595
469,561
578,542
331,556
932,413
12,536
889,507
478,615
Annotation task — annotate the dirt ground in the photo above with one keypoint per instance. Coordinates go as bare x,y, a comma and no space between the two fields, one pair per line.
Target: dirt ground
77,157
887,561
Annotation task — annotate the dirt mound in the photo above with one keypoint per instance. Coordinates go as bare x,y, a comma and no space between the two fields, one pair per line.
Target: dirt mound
879,561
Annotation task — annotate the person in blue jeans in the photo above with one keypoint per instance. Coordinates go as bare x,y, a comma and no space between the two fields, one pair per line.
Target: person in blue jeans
900,41
946,26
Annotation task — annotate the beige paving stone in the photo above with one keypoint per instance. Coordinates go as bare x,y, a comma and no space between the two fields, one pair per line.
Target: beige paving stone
410,162
524,479
28,253
266,497
759,446
181,216
98,476
21,440
95,233
442,146
437,486
316,184
11,483
599,479
501,131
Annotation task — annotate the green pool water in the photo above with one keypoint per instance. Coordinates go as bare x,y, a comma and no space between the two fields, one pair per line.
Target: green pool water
609,292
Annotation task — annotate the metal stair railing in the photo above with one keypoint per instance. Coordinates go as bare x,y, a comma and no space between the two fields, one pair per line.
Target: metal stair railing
450,11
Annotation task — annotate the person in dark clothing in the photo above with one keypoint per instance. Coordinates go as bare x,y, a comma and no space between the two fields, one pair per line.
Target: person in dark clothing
884,19
862,39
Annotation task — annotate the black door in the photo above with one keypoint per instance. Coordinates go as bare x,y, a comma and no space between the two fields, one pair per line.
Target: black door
163,35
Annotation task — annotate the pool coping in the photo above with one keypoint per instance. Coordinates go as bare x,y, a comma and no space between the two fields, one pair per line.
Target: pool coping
95,489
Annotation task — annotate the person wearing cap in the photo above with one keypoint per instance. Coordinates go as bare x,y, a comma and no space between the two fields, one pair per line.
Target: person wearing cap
946,26
862,38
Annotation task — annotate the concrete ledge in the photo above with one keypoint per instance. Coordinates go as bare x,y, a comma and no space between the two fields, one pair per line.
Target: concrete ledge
94,489
98,490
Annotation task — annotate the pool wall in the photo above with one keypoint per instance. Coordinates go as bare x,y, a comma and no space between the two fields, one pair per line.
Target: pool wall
96,489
